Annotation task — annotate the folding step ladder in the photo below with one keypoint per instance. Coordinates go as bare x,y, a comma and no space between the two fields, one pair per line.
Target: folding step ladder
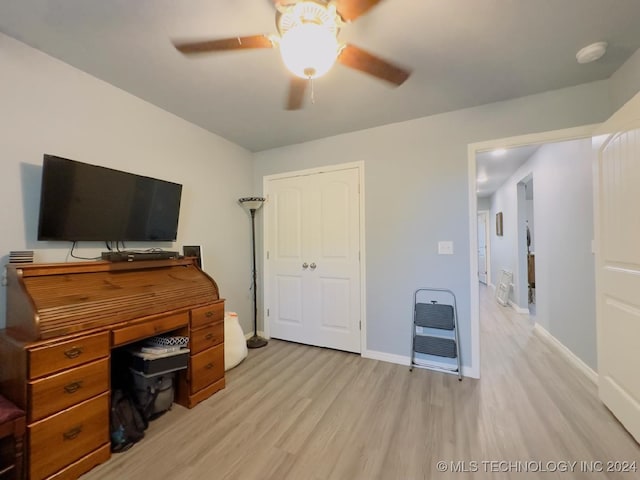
435,341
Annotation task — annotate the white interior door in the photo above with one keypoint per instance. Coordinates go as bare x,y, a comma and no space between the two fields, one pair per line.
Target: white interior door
482,246
617,228
313,253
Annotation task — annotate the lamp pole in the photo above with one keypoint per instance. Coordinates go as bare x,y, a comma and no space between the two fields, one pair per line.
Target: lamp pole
253,204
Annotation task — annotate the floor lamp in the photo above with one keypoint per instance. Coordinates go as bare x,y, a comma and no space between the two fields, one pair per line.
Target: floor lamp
252,204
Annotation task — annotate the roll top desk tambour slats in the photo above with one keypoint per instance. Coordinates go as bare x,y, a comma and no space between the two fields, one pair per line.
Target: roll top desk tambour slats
76,301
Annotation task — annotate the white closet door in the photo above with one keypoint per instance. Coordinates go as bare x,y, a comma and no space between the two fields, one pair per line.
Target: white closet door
618,264
313,255
285,243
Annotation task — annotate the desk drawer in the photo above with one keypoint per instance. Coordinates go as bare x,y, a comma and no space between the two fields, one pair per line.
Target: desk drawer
210,314
149,328
62,390
60,356
66,437
207,367
207,337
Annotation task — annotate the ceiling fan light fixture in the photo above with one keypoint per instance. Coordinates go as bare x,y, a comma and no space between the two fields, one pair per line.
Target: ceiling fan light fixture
309,50
307,38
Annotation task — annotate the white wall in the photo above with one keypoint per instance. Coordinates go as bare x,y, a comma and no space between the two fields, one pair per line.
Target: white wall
50,107
563,218
416,195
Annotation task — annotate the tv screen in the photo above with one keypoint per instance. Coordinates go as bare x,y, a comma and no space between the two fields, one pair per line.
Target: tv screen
79,201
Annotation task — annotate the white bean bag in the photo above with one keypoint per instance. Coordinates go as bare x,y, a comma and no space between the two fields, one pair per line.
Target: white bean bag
235,345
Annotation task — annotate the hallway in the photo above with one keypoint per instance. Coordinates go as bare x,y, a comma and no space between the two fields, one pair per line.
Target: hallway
548,409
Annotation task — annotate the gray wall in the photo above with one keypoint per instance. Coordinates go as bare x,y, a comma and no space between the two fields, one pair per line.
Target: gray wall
563,218
563,212
484,203
417,194
504,249
510,199
50,107
624,83
416,176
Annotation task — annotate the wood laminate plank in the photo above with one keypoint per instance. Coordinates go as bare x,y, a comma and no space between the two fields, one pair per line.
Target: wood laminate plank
292,412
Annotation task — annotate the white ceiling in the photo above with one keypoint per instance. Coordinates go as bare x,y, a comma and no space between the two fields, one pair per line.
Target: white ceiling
497,169
462,53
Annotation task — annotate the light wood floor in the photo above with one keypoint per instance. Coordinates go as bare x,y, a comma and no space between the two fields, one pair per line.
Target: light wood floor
292,412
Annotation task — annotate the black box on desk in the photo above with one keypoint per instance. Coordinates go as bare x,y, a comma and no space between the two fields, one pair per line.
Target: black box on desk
151,363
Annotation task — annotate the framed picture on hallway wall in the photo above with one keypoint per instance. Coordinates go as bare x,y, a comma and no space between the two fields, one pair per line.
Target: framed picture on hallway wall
499,224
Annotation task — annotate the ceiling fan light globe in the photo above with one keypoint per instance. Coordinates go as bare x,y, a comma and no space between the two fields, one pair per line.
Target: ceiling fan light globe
309,50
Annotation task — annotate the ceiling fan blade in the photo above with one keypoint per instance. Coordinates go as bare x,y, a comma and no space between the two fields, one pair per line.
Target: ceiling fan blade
297,87
349,10
359,59
235,43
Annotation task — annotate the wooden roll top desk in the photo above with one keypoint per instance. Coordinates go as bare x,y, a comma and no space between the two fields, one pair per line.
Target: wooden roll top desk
64,319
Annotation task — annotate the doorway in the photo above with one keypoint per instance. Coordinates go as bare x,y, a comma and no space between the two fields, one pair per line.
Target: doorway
525,297
314,237
529,252
473,150
484,247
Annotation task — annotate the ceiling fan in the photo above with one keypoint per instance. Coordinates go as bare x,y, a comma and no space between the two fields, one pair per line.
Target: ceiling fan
308,42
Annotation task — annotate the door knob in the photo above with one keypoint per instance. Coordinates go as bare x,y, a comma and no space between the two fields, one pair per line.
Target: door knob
305,265
313,265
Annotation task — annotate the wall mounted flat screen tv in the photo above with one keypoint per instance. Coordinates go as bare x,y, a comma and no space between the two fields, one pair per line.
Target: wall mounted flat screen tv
86,202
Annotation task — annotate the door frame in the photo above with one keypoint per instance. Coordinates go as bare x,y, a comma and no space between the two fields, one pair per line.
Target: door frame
487,242
575,133
522,298
266,290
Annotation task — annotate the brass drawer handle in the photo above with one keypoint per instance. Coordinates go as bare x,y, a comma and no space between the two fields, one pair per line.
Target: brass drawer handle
209,366
209,314
209,336
73,352
73,433
73,387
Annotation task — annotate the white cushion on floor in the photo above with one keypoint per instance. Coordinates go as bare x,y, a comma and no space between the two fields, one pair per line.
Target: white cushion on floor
235,345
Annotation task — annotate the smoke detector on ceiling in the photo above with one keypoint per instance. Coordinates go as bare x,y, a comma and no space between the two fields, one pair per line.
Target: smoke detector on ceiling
592,52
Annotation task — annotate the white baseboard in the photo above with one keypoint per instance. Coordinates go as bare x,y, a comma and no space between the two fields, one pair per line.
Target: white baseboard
518,309
247,336
387,357
406,361
544,334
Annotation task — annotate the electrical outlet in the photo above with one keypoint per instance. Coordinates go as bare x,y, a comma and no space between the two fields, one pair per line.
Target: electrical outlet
4,277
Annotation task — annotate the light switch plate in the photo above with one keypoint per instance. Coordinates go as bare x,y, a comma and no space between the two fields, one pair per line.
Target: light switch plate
445,248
